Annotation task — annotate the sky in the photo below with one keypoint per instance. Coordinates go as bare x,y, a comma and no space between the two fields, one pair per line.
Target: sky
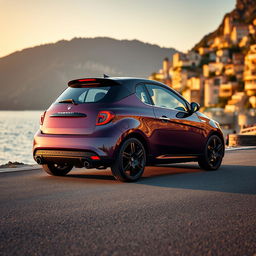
167,23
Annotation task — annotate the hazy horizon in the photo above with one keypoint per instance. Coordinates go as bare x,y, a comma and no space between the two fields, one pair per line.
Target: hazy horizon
167,23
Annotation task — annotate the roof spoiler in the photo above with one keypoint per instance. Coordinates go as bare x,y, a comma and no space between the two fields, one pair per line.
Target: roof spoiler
86,82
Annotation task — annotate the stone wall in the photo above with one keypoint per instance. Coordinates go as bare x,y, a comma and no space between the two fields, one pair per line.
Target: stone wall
241,140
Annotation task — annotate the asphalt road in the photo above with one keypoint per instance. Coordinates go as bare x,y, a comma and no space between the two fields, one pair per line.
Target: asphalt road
175,210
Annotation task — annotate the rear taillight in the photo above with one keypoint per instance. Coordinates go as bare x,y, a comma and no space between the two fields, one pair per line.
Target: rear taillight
42,118
95,157
87,80
104,117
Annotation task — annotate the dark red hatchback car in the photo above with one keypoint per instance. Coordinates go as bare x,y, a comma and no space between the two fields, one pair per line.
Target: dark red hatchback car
125,124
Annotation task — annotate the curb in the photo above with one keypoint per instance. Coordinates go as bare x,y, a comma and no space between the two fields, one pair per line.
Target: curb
240,148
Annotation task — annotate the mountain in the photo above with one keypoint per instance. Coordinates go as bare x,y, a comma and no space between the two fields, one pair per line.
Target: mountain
244,12
32,78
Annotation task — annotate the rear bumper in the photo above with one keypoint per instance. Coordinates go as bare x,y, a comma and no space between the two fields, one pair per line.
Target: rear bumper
74,157
74,147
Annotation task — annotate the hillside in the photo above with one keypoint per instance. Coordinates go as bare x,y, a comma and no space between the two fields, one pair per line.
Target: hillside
32,78
244,12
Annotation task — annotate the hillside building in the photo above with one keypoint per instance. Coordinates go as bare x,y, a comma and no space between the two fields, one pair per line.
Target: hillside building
250,71
211,91
238,32
194,90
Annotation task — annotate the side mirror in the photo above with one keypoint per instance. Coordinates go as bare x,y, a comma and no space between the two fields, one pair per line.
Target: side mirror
194,107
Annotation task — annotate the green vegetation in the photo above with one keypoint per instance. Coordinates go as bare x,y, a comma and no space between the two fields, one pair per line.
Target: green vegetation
234,49
247,105
205,60
232,78
240,87
222,102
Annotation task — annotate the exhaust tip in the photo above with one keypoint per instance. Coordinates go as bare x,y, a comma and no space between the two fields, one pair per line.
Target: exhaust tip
39,160
87,164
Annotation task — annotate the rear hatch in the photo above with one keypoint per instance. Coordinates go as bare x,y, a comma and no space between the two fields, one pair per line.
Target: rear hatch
75,111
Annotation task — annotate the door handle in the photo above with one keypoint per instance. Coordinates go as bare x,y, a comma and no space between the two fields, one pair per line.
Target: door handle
164,118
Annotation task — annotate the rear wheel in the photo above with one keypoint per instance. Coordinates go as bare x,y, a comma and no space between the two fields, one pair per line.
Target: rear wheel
130,161
213,154
57,169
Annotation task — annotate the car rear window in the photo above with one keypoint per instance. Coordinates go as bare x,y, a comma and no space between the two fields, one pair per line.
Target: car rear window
85,94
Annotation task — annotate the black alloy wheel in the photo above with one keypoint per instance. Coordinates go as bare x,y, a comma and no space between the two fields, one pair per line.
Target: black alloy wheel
57,169
213,154
130,161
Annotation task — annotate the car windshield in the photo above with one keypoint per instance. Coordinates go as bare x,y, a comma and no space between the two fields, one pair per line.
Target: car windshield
83,95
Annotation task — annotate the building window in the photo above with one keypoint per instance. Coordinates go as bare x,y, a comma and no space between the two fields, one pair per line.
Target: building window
216,81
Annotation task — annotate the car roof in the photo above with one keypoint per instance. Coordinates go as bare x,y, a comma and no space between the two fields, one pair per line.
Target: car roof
129,82
134,80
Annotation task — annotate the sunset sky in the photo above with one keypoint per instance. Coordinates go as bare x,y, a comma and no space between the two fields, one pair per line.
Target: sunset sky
170,23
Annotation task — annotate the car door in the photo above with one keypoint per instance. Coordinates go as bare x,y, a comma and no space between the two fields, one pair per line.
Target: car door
174,135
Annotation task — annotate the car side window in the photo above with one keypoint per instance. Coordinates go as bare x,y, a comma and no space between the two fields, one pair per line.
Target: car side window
141,93
162,97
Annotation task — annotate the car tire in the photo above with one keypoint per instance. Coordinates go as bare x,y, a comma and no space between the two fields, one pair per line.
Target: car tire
57,170
130,161
213,154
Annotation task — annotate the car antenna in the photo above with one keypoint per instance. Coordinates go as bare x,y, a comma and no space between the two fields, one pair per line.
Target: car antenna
105,76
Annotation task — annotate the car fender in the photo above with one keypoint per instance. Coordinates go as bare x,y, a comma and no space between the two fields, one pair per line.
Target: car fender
130,128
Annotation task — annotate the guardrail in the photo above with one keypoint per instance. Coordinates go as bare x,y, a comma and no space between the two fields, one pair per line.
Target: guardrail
249,130
241,140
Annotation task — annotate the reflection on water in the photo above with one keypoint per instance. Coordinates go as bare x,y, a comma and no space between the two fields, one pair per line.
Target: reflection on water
17,129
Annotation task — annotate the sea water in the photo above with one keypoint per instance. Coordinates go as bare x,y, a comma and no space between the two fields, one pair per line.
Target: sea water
17,129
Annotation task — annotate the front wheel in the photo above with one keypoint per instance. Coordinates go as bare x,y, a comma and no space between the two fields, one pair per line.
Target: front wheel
213,154
130,161
57,169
